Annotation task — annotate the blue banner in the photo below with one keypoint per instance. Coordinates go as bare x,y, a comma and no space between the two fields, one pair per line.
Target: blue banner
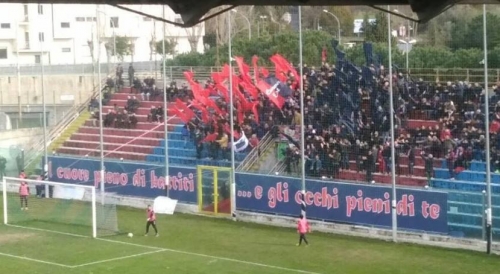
420,210
131,179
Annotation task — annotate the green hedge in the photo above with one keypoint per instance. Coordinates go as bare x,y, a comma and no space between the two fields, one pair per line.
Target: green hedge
287,44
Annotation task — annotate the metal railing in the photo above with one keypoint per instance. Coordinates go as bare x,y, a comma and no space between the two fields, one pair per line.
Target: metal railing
33,151
151,68
254,155
441,75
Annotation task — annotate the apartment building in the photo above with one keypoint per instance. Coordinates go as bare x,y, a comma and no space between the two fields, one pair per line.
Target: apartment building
79,34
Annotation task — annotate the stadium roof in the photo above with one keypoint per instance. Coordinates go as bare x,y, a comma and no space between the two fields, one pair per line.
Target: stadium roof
193,11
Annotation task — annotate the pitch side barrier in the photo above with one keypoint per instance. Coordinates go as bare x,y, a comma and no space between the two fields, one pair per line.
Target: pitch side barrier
351,209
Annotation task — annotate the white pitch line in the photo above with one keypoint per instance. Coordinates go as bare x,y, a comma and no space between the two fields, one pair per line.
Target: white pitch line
50,231
117,259
159,249
34,260
215,257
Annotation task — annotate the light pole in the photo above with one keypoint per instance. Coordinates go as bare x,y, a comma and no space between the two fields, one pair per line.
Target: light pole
248,22
101,129
391,111
165,107
231,118
489,216
41,38
338,23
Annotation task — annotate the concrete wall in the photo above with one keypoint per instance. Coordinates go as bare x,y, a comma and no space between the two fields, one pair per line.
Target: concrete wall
59,89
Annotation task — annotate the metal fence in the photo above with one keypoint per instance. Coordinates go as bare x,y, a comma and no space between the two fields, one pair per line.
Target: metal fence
151,68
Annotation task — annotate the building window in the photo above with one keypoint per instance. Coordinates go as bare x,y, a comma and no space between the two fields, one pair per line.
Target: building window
37,59
80,19
66,49
41,37
3,53
65,25
5,25
40,9
113,22
91,19
26,40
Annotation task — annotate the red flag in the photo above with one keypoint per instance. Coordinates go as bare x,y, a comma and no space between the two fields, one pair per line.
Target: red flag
282,65
211,104
236,89
264,72
271,93
210,138
189,76
185,109
227,129
255,112
244,69
181,115
324,55
205,116
255,59
223,91
250,88
217,77
241,116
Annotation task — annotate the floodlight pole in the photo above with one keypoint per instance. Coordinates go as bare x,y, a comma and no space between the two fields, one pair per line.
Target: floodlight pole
302,123
231,119
489,223
44,117
393,154
101,130
165,108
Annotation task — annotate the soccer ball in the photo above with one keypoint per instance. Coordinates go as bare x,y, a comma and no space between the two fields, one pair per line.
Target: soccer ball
130,235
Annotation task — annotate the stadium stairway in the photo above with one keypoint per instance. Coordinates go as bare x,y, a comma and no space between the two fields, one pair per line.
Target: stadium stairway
143,143
59,141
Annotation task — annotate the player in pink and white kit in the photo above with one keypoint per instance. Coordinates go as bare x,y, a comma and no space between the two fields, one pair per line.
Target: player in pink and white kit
151,221
24,192
303,228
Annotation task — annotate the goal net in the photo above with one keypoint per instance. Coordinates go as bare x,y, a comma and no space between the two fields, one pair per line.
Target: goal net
68,208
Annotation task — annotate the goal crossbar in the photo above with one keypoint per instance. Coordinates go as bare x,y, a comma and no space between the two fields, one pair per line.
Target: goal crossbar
47,182
40,182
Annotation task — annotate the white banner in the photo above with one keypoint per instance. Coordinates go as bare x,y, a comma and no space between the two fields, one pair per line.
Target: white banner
164,205
68,193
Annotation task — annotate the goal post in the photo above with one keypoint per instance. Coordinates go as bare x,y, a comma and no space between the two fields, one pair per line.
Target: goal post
72,208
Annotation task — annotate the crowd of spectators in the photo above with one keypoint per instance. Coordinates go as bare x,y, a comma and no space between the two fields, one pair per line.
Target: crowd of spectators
347,121
351,121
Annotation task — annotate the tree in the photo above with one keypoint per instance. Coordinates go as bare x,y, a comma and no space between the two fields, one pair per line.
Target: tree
376,31
194,35
470,34
346,19
124,47
170,45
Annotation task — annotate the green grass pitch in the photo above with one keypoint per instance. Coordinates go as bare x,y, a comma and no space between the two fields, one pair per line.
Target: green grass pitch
193,244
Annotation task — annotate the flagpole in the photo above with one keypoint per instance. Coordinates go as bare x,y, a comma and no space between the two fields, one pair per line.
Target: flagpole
487,128
302,124
101,130
231,119
393,154
165,107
